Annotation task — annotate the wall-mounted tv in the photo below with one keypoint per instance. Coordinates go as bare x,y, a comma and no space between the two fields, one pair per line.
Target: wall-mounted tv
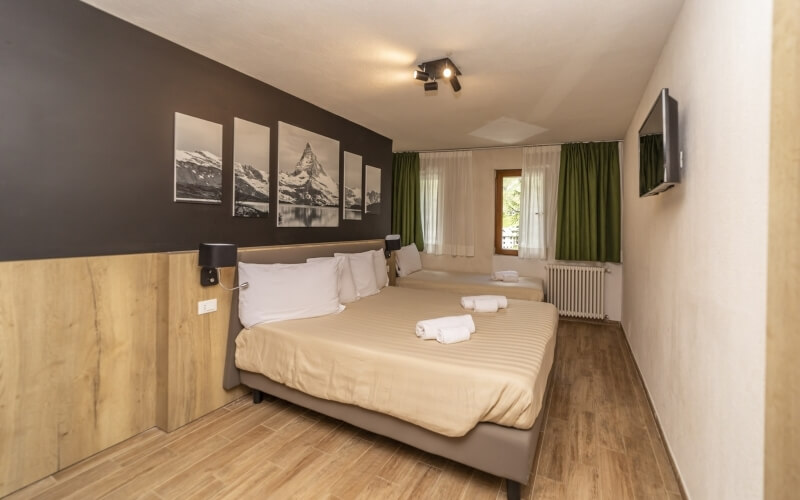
659,161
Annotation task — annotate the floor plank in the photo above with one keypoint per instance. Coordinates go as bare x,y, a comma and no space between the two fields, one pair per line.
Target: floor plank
599,440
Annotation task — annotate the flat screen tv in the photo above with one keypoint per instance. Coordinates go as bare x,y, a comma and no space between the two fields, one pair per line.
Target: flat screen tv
659,162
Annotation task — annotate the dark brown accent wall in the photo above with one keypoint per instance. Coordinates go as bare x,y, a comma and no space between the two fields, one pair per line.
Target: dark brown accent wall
87,105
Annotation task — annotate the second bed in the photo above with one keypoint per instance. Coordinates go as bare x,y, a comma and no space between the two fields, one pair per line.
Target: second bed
473,284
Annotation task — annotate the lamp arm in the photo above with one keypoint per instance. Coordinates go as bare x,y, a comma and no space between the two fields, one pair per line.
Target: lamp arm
242,286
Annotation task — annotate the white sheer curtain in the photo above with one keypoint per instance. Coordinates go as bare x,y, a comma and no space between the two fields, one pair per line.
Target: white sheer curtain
538,202
446,202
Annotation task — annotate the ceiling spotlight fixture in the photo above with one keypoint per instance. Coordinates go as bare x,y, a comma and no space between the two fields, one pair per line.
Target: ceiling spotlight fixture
430,71
455,84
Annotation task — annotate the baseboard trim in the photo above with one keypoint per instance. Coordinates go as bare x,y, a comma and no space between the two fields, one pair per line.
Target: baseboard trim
590,321
672,462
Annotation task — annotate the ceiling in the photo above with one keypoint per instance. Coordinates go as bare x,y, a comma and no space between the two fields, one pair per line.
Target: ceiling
562,71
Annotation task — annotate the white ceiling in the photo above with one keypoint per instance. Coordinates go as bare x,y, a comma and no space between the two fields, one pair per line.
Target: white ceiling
569,70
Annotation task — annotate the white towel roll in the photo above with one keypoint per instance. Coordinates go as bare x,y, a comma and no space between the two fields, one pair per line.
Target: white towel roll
468,302
485,306
427,329
510,278
452,334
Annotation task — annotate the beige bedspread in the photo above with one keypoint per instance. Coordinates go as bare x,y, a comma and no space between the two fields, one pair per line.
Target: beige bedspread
369,356
473,284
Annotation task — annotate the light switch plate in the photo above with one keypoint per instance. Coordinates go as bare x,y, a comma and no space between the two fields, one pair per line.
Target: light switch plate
206,306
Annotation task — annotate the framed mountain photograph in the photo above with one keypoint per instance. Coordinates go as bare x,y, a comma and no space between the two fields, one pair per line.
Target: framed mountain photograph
198,160
373,191
353,199
250,169
308,178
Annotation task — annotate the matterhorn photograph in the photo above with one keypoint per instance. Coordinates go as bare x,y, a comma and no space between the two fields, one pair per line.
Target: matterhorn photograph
198,160
308,178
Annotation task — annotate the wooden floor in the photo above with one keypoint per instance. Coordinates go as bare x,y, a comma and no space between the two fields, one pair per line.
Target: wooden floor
599,441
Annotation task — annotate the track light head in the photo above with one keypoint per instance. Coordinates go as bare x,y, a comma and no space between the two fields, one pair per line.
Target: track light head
429,86
455,84
447,73
421,75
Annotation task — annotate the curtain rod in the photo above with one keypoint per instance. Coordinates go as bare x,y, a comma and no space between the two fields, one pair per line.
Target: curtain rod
500,147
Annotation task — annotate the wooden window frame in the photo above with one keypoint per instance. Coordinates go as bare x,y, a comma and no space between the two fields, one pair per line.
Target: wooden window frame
498,209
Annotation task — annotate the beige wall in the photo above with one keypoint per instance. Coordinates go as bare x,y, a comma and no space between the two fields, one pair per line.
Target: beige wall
485,162
695,257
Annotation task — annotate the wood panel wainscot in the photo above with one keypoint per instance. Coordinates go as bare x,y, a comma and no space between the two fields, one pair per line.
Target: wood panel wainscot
77,360
193,355
95,350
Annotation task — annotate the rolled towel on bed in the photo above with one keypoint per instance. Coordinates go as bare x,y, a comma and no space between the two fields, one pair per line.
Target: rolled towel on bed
428,329
468,302
485,306
501,275
452,334
510,278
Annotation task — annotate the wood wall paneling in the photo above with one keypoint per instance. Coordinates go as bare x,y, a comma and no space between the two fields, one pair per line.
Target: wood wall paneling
782,419
196,344
77,360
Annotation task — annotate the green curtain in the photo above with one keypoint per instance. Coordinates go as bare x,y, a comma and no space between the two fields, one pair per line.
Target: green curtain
589,203
651,159
406,212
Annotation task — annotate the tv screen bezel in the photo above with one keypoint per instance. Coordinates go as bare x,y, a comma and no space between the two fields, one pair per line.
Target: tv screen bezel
669,124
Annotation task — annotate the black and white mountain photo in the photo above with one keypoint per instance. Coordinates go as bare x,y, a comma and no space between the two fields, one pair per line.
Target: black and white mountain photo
308,178
373,196
198,160
353,198
250,169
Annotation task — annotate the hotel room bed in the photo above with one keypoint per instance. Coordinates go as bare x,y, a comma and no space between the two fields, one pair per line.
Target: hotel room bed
473,284
478,402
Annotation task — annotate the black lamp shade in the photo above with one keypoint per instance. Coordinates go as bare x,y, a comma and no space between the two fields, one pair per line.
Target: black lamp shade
393,242
212,256
455,83
429,86
217,255
421,75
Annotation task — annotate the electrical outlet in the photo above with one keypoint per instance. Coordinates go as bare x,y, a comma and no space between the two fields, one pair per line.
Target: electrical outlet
206,306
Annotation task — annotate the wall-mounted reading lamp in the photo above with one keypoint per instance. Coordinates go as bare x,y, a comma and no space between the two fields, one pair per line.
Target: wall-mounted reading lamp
392,243
213,256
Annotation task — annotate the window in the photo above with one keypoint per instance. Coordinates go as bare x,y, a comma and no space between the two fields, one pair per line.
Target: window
508,186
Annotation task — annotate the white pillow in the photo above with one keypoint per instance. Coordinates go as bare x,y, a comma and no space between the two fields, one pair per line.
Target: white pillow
347,288
408,260
363,267
279,292
381,276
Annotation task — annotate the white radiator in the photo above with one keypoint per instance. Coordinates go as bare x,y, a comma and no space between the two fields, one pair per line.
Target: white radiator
576,291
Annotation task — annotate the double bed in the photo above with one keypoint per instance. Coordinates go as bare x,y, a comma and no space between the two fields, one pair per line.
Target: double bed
477,402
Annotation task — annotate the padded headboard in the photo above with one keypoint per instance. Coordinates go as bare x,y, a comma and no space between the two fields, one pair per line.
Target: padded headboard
286,254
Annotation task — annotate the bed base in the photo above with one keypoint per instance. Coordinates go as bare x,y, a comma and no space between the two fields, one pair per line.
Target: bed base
501,451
